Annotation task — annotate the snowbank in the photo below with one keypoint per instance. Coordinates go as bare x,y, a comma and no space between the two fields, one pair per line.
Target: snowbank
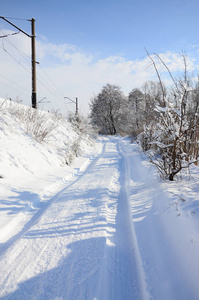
32,166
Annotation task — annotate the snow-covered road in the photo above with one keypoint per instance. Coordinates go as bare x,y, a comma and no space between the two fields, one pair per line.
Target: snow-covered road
82,245
92,239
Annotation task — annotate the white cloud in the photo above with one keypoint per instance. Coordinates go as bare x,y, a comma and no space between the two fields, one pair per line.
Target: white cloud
66,70
62,53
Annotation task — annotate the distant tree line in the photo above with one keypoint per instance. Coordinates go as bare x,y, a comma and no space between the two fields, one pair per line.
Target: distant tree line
165,120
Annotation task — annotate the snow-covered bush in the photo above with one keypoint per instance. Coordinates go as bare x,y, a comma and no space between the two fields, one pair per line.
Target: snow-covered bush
172,138
36,123
80,123
39,124
74,150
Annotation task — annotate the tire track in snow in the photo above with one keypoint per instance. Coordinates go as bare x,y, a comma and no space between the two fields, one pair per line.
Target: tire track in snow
122,276
129,276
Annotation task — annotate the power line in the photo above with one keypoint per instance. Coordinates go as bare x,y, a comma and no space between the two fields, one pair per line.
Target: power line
52,83
49,90
3,48
48,84
14,83
4,36
23,54
11,87
62,95
61,99
14,59
29,72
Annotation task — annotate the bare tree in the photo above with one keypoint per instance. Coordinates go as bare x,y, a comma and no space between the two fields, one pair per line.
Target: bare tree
136,103
107,109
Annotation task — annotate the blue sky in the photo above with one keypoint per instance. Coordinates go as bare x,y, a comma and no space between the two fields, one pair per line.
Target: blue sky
89,36
110,27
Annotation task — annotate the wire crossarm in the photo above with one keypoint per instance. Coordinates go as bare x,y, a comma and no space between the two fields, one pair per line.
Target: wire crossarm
76,103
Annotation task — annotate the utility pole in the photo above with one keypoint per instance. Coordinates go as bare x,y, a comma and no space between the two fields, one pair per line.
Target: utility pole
76,112
34,93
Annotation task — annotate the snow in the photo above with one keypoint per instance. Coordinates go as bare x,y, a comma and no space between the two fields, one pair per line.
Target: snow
103,227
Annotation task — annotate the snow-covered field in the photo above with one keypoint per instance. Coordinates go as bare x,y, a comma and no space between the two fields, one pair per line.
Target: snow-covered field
103,227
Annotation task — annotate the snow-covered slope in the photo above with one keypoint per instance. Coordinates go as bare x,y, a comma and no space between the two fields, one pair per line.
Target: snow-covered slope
32,166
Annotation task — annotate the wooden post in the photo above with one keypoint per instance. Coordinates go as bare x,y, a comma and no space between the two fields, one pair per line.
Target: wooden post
34,94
